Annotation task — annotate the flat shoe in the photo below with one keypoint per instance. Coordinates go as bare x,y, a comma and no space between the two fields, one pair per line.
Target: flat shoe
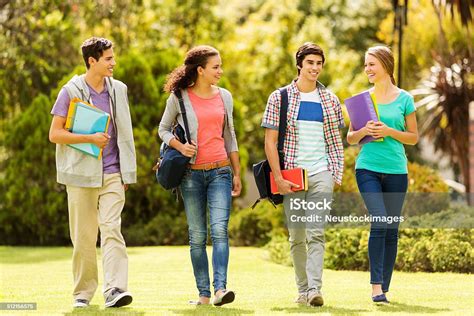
380,299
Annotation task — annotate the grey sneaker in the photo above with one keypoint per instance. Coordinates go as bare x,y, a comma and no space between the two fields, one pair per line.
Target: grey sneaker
315,299
302,298
80,303
118,298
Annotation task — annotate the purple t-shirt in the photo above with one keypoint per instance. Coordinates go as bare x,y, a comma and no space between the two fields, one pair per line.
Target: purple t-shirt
110,154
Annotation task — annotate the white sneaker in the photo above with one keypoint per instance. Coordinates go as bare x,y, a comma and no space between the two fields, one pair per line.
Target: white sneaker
227,297
302,298
315,298
80,303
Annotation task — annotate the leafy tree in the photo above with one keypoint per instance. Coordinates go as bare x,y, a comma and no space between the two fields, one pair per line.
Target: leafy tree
33,207
38,41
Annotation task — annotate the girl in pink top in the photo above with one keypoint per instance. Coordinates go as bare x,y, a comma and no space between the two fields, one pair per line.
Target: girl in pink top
210,114
213,176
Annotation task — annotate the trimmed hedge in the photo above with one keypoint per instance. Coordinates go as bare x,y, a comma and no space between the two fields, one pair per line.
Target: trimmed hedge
429,250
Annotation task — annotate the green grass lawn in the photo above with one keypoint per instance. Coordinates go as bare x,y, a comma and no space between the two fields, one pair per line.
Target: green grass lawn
162,282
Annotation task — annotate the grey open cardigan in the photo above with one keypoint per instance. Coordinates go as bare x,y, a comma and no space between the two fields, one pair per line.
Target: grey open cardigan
77,169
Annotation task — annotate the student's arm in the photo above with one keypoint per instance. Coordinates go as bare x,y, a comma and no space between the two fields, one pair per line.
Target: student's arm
166,125
188,150
59,135
271,141
236,182
354,137
409,137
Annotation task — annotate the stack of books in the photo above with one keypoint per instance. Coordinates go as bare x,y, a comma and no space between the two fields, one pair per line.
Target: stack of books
297,176
362,108
84,118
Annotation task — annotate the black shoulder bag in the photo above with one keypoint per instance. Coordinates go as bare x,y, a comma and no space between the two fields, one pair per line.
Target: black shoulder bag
261,170
172,164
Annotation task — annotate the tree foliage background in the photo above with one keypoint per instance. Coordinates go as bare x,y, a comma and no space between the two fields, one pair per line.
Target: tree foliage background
39,45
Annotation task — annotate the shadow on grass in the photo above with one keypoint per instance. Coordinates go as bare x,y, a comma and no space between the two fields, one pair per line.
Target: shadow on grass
33,255
400,307
211,310
96,310
381,308
25,255
324,309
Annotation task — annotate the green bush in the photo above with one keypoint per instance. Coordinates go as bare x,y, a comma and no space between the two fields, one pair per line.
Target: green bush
453,251
413,250
163,229
429,250
346,248
436,250
279,249
33,207
458,216
427,192
252,227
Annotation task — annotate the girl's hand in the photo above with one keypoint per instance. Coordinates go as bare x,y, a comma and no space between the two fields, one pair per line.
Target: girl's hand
380,130
236,186
188,150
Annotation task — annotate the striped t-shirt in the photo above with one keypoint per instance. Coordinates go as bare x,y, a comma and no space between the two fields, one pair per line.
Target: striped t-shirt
311,146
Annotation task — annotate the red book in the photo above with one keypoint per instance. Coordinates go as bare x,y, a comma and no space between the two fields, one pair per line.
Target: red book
297,176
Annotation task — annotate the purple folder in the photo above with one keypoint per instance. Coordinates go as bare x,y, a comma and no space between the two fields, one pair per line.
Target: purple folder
361,109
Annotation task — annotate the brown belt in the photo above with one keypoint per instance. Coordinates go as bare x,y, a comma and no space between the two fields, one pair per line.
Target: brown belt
211,165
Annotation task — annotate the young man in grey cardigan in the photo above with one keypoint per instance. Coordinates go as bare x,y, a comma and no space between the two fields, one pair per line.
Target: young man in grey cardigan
96,187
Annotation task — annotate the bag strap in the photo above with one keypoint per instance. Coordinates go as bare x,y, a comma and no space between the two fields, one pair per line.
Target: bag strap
183,112
282,124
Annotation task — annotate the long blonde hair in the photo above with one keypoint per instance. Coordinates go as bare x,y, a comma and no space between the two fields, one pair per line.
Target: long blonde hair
385,56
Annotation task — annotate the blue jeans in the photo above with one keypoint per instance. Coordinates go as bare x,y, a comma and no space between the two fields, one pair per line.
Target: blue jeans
202,189
383,196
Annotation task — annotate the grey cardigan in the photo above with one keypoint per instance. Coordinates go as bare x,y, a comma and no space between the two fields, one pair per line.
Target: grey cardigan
173,113
77,169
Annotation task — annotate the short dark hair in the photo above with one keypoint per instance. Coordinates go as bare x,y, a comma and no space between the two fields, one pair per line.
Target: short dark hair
94,47
307,48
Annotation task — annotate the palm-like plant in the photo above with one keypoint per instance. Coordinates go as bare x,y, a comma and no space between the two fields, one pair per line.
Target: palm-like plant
444,103
447,92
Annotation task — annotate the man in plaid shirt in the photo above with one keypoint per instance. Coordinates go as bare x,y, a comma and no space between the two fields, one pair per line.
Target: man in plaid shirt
313,142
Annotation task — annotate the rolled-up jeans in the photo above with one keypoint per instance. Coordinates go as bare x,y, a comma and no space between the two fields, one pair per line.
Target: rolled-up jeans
383,196
202,189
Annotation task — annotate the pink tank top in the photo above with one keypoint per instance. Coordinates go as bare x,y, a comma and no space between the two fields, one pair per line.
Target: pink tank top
210,116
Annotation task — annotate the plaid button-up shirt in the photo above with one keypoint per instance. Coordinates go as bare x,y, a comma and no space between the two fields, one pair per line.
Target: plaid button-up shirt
332,121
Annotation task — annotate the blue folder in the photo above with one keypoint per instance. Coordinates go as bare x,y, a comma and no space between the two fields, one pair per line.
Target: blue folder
89,120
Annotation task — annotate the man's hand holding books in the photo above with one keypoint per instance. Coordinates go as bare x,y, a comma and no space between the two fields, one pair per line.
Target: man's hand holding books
100,139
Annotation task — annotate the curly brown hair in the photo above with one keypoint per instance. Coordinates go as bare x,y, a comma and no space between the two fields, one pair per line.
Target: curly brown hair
185,75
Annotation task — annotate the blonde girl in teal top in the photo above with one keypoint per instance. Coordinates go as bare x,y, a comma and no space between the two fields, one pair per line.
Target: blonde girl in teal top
381,167
389,156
